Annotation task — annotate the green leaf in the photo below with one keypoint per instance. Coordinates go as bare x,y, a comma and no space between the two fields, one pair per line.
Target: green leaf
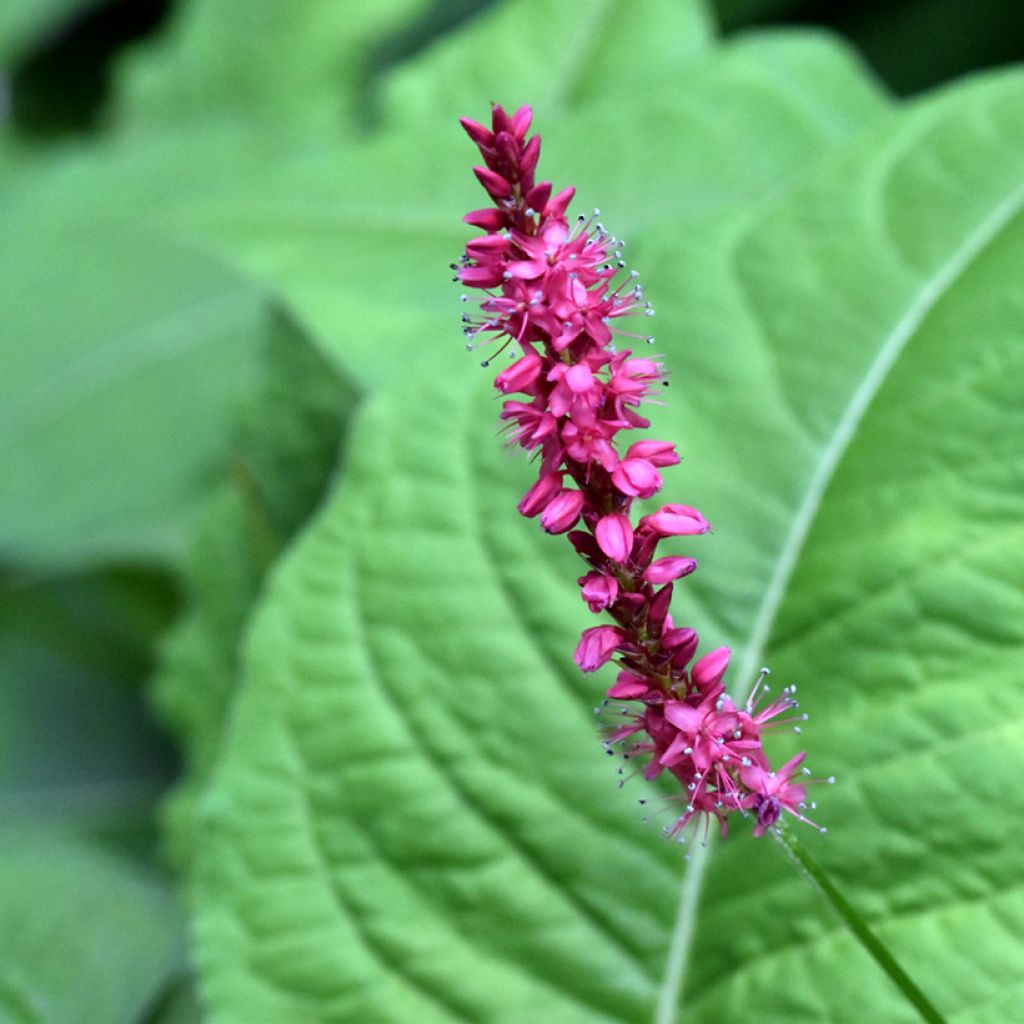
120,397
594,50
358,264
412,819
888,291
86,936
24,22
288,68
282,457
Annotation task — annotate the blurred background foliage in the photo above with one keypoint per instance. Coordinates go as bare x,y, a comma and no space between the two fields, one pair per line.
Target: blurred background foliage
143,507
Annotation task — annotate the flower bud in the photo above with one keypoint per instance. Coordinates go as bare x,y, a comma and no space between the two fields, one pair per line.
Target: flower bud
675,521
562,511
664,570
536,499
636,477
599,591
709,670
614,534
521,375
658,453
596,646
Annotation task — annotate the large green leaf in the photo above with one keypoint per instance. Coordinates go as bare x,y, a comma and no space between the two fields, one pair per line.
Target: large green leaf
119,396
412,819
360,245
85,937
283,455
888,290
286,68
578,58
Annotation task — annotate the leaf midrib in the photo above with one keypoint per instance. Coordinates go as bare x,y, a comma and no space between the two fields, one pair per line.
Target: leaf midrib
895,342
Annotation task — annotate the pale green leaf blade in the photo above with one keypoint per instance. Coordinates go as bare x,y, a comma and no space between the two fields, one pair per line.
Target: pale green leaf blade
353,738
86,936
116,403
413,586
552,56
282,457
727,130
894,597
286,68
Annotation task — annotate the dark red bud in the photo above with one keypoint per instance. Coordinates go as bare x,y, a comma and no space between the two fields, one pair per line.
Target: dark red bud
476,131
659,609
489,220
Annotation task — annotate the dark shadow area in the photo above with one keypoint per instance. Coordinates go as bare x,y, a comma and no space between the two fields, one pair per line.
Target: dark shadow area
443,17
912,45
61,87
80,746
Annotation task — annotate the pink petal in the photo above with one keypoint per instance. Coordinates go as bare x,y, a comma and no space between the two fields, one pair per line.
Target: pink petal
637,478
596,646
675,521
710,669
614,534
562,511
663,570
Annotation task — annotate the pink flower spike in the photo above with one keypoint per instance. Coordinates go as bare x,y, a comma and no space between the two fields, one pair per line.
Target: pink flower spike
562,511
553,293
709,670
664,570
596,646
599,591
658,453
614,535
636,477
675,521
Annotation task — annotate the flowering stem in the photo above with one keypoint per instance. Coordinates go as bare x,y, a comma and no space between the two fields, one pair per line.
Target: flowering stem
816,875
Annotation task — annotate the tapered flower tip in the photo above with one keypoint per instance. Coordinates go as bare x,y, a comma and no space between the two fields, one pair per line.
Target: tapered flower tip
659,453
539,496
499,118
521,375
490,219
497,187
709,670
599,590
476,131
636,477
521,121
557,205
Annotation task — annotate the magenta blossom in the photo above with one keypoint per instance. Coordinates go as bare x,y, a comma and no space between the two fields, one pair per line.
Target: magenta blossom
555,291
